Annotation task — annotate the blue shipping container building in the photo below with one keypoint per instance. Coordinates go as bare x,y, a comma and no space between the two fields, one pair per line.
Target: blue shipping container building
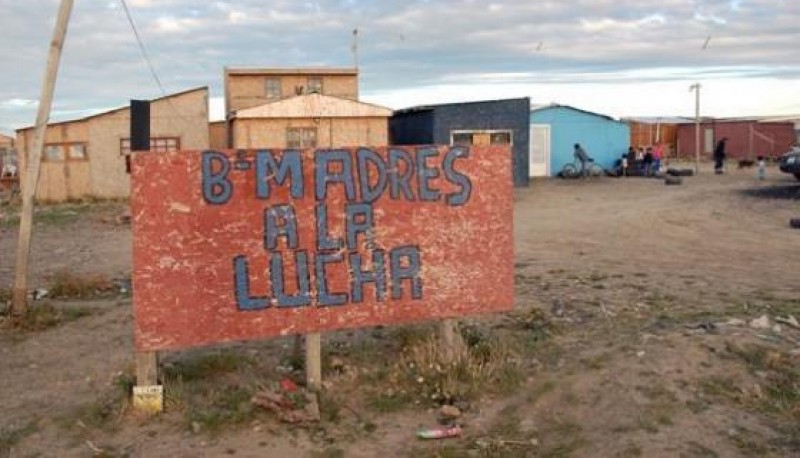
556,128
490,122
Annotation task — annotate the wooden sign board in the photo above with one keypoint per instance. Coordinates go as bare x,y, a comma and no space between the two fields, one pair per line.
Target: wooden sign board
235,245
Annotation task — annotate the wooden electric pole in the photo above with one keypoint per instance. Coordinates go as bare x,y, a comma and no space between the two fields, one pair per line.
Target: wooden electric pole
30,175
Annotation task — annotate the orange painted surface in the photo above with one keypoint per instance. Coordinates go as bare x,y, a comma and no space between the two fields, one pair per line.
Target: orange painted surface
235,246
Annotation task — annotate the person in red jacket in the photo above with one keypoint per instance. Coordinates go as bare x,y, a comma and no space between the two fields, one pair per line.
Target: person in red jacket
658,154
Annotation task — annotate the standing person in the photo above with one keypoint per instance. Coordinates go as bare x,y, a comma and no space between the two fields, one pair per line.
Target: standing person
762,168
640,160
719,155
658,153
648,161
623,164
580,154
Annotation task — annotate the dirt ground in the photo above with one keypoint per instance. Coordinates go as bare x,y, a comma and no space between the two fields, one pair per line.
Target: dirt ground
633,335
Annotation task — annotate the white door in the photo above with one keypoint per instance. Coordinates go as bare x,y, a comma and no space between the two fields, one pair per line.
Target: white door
709,141
539,156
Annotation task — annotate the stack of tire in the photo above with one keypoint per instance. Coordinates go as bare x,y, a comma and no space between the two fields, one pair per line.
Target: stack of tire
674,176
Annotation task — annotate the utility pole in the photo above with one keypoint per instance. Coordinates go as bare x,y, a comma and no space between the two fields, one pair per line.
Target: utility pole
696,88
354,49
19,303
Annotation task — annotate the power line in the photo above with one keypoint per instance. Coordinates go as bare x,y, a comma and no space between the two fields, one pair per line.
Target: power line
152,68
142,48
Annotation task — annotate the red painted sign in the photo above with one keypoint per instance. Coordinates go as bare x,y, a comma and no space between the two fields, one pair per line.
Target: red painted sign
235,245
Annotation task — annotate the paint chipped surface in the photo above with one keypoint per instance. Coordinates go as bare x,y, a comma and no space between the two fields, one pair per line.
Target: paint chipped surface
431,237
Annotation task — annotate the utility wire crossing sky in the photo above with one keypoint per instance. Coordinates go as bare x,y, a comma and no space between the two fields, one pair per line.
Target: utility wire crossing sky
617,57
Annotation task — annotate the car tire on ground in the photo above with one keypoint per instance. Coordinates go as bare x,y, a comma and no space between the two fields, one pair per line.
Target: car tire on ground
794,223
797,175
680,172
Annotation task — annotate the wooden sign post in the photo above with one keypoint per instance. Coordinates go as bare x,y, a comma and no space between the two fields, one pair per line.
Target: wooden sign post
236,245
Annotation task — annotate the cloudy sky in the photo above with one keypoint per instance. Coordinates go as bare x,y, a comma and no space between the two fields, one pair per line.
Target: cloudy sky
619,57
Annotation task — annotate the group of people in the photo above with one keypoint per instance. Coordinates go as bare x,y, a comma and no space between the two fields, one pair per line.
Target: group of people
647,161
642,161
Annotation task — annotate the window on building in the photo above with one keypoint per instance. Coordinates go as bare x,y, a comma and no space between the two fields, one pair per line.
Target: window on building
53,153
163,145
462,139
500,138
76,151
480,137
62,151
314,85
272,88
157,144
301,137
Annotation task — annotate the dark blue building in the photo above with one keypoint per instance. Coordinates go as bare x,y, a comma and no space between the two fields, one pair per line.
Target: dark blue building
491,122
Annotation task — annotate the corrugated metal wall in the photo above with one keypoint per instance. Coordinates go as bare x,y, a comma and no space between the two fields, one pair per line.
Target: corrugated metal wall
511,114
646,134
411,128
436,124
746,139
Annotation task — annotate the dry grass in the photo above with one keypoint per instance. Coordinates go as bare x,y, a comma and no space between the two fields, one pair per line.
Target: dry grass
211,391
780,376
427,372
44,315
66,285
102,414
10,437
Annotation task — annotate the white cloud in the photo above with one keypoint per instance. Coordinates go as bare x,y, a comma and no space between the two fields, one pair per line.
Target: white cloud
18,103
236,16
171,24
719,97
471,48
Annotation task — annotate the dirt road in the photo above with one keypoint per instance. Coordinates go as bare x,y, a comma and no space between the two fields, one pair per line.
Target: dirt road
643,296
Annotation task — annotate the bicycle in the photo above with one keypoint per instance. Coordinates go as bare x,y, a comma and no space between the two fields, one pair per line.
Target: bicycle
573,169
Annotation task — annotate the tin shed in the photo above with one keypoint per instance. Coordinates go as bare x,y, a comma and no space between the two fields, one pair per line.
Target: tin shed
489,122
747,138
556,128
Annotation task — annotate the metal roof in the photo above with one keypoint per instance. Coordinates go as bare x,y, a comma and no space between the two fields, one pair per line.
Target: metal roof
291,71
420,108
658,119
115,110
557,105
314,106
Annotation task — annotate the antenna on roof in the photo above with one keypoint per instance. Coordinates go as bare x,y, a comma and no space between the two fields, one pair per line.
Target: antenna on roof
354,48
705,44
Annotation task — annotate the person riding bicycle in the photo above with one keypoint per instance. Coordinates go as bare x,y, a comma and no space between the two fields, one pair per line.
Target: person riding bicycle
580,154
